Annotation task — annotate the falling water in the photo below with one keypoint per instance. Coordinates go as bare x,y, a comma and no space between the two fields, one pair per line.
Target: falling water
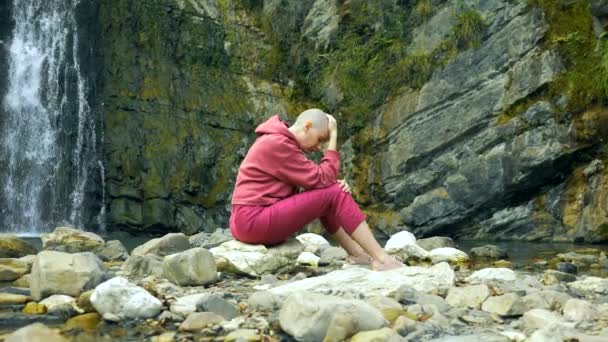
49,147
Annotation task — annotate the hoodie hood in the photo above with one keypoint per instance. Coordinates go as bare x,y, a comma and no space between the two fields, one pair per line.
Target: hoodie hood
274,125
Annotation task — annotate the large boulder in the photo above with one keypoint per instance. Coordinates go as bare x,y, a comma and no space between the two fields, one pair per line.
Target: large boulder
113,250
169,244
309,316
255,260
70,240
13,247
194,267
361,281
117,299
64,273
143,266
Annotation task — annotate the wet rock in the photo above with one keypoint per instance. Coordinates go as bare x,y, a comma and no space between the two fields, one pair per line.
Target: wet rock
488,252
194,267
309,316
169,244
113,250
88,321
243,335
567,267
397,241
64,273
492,274
435,242
468,296
12,269
509,304
384,334
216,304
119,299
268,279
359,281
308,259
583,260
255,260
13,247
552,277
579,310
590,286
143,266
199,320
264,300
331,255
61,306
312,242
411,252
448,254
477,317
36,332
12,299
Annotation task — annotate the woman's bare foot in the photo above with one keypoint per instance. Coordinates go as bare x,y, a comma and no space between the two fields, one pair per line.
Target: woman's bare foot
362,259
389,263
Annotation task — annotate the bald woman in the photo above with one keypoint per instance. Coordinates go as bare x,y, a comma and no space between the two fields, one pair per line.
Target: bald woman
266,207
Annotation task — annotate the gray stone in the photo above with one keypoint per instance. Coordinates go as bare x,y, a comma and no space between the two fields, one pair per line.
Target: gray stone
264,300
321,24
435,242
216,304
590,286
143,266
113,250
492,274
579,310
567,267
194,267
539,318
204,240
309,316
489,252
169,244
64,273
332,255
551,277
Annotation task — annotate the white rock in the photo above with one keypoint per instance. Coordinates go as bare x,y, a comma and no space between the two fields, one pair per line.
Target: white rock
397,241
307,316
59,303
492,274
448,254
579,310
256,260
194,267
362,281
312,242
308,259
468,296
117,298
514,335
509,304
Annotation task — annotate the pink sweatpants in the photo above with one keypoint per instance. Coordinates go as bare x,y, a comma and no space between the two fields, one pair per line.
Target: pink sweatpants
275,223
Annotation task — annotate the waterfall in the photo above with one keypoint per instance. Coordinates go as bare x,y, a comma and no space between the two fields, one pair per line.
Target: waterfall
50,158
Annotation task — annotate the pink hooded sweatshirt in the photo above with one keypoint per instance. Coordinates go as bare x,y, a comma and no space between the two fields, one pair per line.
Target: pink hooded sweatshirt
275,166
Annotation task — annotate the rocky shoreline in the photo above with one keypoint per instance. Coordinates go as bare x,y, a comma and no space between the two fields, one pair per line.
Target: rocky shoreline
209,287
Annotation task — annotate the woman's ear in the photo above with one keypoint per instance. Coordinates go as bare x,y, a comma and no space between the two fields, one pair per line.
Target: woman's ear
307,125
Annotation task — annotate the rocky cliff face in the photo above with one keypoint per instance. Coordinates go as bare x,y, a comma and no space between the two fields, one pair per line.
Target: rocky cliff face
480,119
